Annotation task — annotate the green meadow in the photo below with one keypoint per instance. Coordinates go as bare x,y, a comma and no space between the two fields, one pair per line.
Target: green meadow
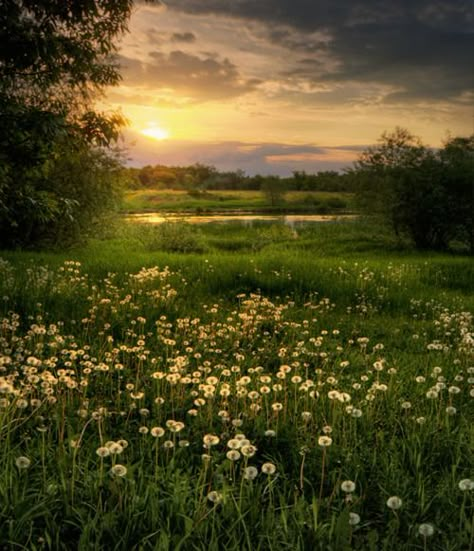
224,200
219,387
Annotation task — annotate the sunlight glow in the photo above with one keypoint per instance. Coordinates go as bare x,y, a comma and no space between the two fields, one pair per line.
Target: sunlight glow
156,133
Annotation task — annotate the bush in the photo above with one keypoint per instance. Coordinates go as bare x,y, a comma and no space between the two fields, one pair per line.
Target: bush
179,237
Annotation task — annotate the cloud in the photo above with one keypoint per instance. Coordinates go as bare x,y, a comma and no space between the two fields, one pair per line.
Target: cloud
262,158
423,48
198,77
187,37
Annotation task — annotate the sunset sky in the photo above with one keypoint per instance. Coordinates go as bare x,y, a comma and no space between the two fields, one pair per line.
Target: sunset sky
272,86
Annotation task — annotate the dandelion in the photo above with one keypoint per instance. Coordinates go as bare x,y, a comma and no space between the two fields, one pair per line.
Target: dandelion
118,470
354,519
348,486
466,484
268,468
157,432
233,455
394,503
250,473
22,462
324,441
103,451
115,448
248,450
450,410
210,440
214,497
426,530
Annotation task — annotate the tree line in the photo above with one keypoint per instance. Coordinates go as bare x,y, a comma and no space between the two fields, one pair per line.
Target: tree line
206,177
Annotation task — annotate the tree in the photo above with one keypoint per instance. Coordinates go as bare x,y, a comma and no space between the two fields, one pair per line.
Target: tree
274,189
420,192
56,56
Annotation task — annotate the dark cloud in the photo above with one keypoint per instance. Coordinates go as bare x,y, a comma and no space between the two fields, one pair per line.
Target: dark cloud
201,78
422,48
186,37
253,158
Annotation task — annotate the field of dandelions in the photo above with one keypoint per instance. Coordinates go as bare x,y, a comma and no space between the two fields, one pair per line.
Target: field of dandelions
262,400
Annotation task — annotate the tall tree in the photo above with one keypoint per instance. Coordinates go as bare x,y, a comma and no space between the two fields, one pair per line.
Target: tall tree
423,193
56,56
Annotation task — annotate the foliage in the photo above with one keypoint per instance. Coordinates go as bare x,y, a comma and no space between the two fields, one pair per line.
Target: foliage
55,57
424,194
174,237
199,177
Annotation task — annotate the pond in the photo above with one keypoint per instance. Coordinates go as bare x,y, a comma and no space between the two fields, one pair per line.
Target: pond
244,219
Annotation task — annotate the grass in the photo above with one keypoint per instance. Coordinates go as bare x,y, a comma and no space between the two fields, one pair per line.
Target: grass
130,370
222,201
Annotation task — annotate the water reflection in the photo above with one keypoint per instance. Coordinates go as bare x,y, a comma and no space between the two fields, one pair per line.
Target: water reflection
244,219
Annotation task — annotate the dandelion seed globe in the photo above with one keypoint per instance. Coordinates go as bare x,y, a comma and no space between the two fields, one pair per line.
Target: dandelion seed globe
157,432
250,473
466,484
22,462
354,519
103,451
324,441
214,497
394,503
248,450
348,486
426,530
118,470
268,468
233,455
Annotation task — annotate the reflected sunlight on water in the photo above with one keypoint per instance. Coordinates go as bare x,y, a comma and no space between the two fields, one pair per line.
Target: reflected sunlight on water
244,219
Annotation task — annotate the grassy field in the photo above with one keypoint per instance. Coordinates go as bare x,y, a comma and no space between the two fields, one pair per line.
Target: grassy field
222,387
173,200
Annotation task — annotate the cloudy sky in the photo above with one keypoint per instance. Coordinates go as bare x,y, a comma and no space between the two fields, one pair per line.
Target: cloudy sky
272,86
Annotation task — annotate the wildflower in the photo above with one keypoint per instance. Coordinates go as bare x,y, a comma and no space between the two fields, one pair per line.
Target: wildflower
118,470
270,433
115,448
348,486
233,455
466,484
268,468
248,450
324,441
214,497
157,432
354,519
394,503
103,451
22,462
450,410
168,444
426,530
210,440
250,473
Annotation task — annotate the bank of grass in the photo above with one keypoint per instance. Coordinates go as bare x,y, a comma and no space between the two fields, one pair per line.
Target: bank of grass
238,200
340,354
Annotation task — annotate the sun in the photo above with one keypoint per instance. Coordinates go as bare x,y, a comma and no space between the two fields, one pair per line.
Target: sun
156,132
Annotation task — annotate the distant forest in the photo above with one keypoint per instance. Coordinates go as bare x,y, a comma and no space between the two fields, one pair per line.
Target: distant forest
204,177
